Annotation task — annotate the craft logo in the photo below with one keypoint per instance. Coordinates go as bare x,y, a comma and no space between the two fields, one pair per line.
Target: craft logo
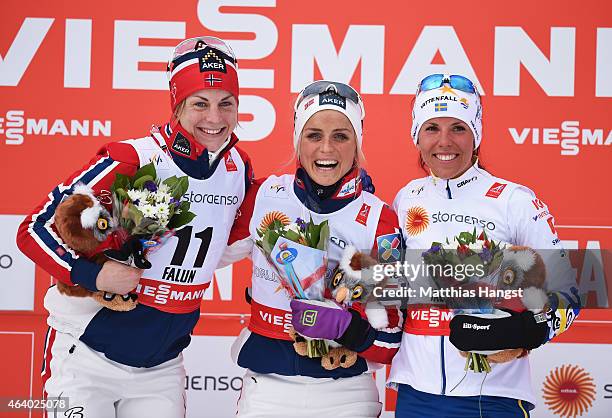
569,391
212,62
14,126
495,190
331,98
466,181
181,145
417,220
569,136
269,218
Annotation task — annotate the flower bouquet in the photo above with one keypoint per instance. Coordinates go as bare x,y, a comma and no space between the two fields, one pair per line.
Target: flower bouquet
498,267
148,211
298,252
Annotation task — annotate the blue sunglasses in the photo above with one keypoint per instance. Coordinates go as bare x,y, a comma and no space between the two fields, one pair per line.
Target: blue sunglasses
457,82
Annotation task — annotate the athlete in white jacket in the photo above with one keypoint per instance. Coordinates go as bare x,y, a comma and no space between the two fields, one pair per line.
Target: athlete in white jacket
459,196
327,186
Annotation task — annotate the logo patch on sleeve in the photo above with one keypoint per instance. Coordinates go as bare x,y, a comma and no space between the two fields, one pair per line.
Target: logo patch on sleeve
495,190
389,247
181,145
230,165
364,212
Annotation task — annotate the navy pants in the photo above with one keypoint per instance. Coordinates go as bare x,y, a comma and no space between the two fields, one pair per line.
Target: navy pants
412,403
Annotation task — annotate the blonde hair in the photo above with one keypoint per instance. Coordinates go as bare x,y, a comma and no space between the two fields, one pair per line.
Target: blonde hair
179,109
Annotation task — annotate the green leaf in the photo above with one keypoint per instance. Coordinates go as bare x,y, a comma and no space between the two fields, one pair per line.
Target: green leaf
121,194
181,219
184,206
177,186
496,261
170,181
269,241
135,215
323,236
140,181
465,237
145,170
292,236
121,182
181,187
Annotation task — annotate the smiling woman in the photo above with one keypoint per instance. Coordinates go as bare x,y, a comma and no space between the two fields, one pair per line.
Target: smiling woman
196,145
446,146
327,147
430,365
326,187
210,116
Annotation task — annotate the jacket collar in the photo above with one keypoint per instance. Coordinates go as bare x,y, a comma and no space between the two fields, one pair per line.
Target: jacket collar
189,155
347,189
454,188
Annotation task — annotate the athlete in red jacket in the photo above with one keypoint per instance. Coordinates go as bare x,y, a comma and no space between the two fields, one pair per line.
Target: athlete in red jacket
128,364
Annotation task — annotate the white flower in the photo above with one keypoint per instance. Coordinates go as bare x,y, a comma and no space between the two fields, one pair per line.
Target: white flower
161,211
162,197
135,195
148,211
163,188
163,221
293,227
476,247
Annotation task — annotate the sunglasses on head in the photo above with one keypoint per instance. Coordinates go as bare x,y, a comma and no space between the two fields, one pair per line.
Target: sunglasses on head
323,86
457,82
189,49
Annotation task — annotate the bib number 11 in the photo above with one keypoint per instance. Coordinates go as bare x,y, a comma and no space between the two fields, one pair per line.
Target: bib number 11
184,239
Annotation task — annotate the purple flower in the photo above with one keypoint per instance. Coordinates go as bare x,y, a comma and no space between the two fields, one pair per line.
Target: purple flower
433,249
300,222
486,255
175,202
150,186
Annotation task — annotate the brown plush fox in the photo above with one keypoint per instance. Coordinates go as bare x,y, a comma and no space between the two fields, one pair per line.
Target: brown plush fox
83,223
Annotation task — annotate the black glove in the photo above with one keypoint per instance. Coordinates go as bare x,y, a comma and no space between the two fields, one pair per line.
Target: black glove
131,250
519,330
